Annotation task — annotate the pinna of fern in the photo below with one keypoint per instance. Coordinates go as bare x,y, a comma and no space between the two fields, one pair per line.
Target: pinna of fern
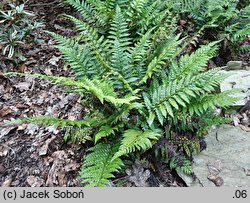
139,85
141,15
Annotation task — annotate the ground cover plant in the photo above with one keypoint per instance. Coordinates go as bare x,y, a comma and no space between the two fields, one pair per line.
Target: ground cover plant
15,26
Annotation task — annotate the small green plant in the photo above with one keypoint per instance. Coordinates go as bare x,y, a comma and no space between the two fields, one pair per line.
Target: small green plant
207,13
15,26
227,20
238,30
139,89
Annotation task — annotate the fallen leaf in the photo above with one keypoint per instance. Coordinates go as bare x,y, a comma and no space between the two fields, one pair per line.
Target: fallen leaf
7,182
31,129
53,61
3,151
183,22
72,167
35,181
247,171
21,106
48,71
44,149
2,169
217,180
6,131
23,86
6,111
246,120
236,120
22,68
245,128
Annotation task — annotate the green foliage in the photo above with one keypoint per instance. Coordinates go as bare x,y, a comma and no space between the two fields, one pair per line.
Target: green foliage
141,15
185,166
225,19
98,166
185,88
48,120
208,13
136,139
15,26
138,86
107,130
208,120
237,31
78,135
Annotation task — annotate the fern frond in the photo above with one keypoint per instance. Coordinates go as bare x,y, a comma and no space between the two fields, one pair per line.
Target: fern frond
97,43
241,33
185,5
98,165
102,89
48,120
112,4
119,40
194,63
211,101
78,135
208,120
153,14
138,52
165,99
166,54
107,130
244,49
80,57
134,139
85,9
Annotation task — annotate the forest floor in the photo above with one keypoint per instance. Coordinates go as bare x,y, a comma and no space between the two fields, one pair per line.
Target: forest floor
32,155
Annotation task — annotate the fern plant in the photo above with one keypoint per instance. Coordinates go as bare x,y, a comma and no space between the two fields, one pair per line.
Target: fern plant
208,13
239,30
226,20
141,15
137,84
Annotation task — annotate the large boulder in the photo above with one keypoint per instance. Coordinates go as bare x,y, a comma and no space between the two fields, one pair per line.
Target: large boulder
225,162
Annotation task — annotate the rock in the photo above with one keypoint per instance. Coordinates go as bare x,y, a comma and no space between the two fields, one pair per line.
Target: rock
239,79
226,160
234,65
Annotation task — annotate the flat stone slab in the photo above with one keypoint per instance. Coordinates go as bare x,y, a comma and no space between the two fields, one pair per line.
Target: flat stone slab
226,159
234,65
239,79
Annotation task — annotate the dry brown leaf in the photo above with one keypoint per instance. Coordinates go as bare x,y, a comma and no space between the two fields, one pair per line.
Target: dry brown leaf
6,111
217,180
44,149
35,181
245,128
7,182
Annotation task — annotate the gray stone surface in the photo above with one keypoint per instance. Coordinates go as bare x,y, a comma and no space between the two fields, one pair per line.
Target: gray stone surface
227,158
239,79
234,65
